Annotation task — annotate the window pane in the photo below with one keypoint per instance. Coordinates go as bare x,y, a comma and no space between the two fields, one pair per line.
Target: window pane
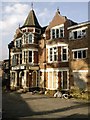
55,53
30,56
30,38
24,38
84,53
83,33
24,56
20,58
79,34
75,35
75,54
61,31
50,54
20,43
64,79
64,51
70,35
53,33
64,57
57,33
16,43
79,54
64,54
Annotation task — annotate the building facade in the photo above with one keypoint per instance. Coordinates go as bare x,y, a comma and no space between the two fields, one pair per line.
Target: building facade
80,54
43,57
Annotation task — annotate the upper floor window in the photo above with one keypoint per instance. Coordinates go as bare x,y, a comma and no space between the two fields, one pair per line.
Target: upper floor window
28,38
19,42
28,56
76,34
17,59
79,54
31,38
57,32
53,33
53,54
38,31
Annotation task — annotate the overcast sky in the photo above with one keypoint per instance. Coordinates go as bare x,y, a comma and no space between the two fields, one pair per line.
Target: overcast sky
14,13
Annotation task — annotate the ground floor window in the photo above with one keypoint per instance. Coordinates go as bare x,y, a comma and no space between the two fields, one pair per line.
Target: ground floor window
53,80
58,79
64,80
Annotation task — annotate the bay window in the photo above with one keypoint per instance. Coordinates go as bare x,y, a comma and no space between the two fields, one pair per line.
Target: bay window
28,38
53,54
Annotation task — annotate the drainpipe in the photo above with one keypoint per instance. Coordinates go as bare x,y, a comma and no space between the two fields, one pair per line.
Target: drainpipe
44,37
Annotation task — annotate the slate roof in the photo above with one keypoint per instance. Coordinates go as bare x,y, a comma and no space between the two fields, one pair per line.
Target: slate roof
31,20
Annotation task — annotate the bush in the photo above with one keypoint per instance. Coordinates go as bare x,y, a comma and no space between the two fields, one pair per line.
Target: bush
79,94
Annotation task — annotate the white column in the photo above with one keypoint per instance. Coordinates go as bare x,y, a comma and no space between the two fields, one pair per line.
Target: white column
15,85
24,79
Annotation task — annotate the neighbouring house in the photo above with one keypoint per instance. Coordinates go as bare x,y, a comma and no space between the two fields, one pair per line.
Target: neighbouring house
50,57
5,74
79,60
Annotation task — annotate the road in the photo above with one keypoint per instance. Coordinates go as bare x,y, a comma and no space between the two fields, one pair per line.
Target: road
23,106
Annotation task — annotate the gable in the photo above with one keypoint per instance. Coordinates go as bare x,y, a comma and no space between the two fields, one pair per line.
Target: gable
57,20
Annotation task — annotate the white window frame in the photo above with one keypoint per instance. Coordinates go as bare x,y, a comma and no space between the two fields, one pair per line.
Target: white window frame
51,80
55,28
25,38
64,47
18,40
67,79
53,51
32,56
71,33
77,50
32,38
33,50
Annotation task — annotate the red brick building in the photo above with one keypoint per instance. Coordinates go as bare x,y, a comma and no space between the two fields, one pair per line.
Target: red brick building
43,56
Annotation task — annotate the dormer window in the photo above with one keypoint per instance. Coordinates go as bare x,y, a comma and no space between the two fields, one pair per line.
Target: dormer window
57,32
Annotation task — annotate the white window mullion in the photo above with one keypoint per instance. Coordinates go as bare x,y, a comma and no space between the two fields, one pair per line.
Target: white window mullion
61,79
55,33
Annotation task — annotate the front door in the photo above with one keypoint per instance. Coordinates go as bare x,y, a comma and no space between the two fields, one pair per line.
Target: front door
29,79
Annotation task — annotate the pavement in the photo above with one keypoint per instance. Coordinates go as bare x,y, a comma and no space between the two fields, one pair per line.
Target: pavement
25,106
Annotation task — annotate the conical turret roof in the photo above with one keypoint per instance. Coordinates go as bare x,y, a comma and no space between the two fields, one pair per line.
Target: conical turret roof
31,20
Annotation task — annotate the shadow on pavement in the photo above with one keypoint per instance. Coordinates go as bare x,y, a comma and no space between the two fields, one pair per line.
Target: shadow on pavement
15,108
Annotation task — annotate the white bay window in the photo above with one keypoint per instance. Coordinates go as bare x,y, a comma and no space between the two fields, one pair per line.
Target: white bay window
53,54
